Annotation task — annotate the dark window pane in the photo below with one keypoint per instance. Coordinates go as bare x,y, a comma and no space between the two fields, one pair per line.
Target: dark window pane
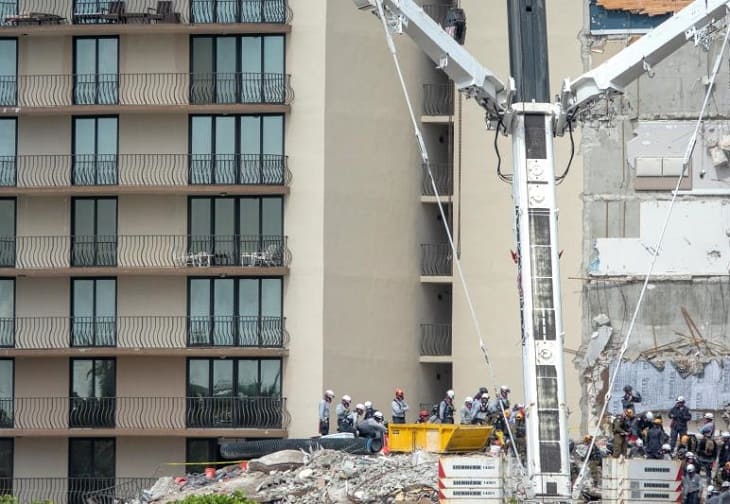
248,378
8,71
274,54
7,147
6,461
271,378
7,218
82,378
198,378
222,378
272,222
80,454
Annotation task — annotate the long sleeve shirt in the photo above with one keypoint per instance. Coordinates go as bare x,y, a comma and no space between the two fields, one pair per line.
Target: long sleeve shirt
324,410
399,408
466,416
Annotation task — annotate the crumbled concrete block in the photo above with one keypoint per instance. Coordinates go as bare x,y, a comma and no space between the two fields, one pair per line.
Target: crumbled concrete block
284,460
601,320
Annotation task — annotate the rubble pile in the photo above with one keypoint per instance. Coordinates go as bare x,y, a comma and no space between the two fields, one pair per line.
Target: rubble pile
314,478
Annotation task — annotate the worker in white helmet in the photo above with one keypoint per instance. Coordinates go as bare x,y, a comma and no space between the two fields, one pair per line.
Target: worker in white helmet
680,415
324,412
446,408
344,418
724,452
691,486
465,412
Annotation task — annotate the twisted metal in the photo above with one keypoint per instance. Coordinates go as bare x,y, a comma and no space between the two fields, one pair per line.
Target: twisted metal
49,12
75,490
436,259
442,177
64,90
438,99
144,251
143,413
435,339
142,170
143,332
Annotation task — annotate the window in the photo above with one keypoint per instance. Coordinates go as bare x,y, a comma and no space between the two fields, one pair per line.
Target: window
235,312
6,466
201,450
8,151
244,393
94,232
91,467
93,387
7,232
7,312
93,312
237,149
246,231
8,72
7,389
95,151
619,21
96,70
230,69
238,11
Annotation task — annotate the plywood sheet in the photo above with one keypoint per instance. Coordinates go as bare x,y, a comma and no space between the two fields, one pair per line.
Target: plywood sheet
647,7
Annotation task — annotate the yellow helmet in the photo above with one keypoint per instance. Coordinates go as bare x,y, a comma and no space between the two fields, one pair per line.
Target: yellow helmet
587,438
629,412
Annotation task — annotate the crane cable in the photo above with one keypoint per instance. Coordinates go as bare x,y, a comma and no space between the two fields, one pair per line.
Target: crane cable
455,258
655,253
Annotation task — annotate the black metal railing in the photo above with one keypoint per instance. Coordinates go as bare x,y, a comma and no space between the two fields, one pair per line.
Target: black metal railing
75,490
435,339
442,178
438,99
143,413
29,13
143,332
154,89
435,259
144,251
142,170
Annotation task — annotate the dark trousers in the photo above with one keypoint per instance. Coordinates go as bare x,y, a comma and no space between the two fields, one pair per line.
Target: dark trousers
674,433
707,466
692,498
324,427
399,419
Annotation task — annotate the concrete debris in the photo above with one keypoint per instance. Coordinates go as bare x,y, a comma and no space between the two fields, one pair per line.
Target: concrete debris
601,320
596,345
322,476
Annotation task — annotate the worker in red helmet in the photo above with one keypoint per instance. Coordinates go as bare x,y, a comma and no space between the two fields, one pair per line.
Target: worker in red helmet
399,407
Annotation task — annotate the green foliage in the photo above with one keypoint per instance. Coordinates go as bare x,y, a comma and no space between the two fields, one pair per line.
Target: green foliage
235,498
9,499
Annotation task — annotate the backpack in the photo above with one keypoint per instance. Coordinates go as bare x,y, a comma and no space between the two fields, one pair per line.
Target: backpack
709,447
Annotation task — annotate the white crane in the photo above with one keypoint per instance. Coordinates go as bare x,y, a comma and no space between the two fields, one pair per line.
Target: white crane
532,127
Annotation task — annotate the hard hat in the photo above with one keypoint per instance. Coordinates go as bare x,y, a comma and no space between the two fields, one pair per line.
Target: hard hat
709,416
450,393
710,489
658,421
684,439
680,398
468,399
504,388
587,438
698,435
725,484
639,442
690,468
399,392
483,390
329,394
346,398
725,434
629,412
627,388
360,407
666,447
484,398
368,404
649,415
689,455
378,415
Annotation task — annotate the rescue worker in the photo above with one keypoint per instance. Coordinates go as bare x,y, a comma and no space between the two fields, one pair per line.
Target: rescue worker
519,431
324,412
373,427
642,424
691,486
711,492
666,452
708,424
688,459
637,449
480,414
706,455
630,398
680,415
620,430
446,408
369,410
723,497
655,439
724,451
465,412
594,460
344,418
359,414
478,395
501,402
399,407
422,416
687,443
723,474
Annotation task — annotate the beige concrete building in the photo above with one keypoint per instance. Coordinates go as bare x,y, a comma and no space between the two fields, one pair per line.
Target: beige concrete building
212,210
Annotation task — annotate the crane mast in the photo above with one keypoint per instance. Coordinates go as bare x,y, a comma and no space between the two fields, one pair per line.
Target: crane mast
532,128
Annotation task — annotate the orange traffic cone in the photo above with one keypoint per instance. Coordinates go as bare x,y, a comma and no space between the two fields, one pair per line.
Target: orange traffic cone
386,448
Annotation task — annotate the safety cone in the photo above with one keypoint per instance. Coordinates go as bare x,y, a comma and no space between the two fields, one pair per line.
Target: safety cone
386,448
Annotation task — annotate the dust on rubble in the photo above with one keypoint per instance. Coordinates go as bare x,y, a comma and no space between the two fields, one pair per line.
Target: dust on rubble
322,476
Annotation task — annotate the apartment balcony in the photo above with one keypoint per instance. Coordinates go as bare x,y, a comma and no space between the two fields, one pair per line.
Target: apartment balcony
435,343
75,490
228,93
442,179
240,336
188,255
436,263
438,103
144,416
100,17
437,11
196,174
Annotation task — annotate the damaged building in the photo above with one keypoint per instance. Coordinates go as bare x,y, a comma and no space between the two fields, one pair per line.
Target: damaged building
633,150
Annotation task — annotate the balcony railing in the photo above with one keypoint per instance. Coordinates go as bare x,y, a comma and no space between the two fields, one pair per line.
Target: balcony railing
151,89
75,490
435,340
144,251
142,170
29,13
437,11
143,332
442,177
436,259
438,99
143,413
